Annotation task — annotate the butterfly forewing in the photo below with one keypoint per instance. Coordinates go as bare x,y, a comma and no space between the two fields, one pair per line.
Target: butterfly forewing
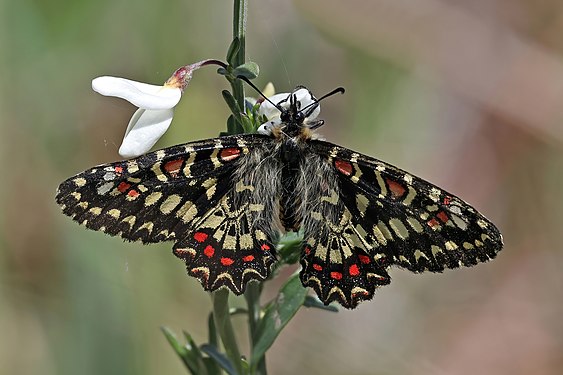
389,217
188,194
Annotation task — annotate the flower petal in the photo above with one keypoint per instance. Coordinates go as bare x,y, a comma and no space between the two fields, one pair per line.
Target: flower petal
144,130
266,128
303,96
140,94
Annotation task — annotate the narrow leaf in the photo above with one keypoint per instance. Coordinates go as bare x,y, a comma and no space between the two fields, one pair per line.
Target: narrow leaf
211,366
212,330
185,353
291,245
231,102
233,50
247,124
249,70
196,355
222,71
237,311
233,126
313,302
276,316
219,358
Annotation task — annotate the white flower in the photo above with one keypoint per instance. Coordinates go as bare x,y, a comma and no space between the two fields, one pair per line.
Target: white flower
156,105
304,99
152,119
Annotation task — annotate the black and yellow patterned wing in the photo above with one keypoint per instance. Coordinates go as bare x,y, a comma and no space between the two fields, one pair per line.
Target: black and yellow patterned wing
374,216
187,194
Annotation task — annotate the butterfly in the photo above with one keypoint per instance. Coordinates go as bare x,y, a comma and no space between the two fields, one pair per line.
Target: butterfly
226,201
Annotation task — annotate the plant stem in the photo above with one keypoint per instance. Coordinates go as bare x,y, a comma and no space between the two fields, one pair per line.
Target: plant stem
253,290
252,296
225,327
239,31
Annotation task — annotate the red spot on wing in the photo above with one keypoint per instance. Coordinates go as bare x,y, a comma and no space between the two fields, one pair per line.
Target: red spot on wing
200,237
118,169
265,247
447,200
227,261
209,251
248,258
307,250
133,193
344,167
228,154
123,186
364,259
442,216
354,270
336,275
433,223
317,267
173,167
397,189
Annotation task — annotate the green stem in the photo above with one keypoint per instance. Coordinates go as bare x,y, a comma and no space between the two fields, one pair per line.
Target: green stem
253,290
252,296
239,31
225,328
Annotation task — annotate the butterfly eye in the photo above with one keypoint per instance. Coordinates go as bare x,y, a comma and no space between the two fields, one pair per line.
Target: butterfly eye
285,116
299,117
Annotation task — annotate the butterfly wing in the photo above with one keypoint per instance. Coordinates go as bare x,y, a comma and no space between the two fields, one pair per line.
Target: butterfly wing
382,216
187,194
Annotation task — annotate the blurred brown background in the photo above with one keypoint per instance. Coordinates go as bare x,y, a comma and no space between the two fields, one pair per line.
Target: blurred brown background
467,94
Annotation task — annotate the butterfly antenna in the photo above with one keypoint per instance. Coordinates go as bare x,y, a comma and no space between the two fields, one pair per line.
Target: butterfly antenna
260,92
338,90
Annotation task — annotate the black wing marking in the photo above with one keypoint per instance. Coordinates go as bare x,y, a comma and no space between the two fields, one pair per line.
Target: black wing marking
385,216
178,194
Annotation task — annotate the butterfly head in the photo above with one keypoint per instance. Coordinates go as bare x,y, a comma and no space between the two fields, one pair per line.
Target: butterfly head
292,114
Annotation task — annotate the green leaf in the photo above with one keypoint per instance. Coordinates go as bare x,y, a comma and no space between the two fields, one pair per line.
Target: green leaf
237,311
247,124
314,302
276,316
291,245
249,70
232,52
246,367
233,126
219,358
211,366
232,103
212,330
189,353
235,122
222,71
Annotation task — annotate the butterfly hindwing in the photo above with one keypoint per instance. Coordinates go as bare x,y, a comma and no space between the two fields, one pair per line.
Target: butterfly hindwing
177,194
227,249
339,267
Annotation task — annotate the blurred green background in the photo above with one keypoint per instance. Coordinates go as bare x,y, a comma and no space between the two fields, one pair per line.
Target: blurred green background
468,95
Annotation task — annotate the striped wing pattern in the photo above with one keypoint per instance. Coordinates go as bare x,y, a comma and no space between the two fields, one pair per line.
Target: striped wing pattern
219,201
385,217
183,194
